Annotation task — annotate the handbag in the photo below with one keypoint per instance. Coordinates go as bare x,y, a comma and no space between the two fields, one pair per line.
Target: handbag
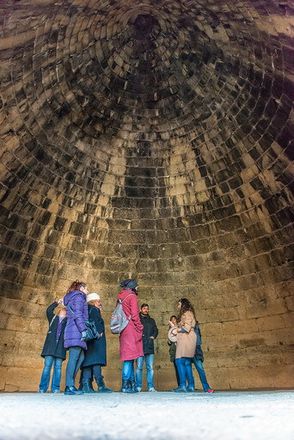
91,330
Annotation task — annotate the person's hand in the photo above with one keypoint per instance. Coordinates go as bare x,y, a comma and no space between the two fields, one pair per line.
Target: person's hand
59,300
171,324
84,335
151,337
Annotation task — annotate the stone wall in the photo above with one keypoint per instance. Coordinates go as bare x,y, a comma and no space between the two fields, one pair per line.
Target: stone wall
150,139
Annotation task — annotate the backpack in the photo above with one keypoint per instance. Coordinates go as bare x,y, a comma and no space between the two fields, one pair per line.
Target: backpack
119,319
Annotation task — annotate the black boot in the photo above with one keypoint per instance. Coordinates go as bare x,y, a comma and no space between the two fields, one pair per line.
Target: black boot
128,387
125,386
133,386
87,388
102,388
91,386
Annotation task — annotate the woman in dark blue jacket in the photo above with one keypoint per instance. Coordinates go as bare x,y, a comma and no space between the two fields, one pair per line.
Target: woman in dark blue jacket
54,352
95,356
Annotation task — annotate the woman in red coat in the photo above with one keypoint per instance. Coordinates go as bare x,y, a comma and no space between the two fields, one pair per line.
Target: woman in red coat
130,339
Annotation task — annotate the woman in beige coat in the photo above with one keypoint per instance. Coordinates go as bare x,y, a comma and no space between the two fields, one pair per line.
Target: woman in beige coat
186,345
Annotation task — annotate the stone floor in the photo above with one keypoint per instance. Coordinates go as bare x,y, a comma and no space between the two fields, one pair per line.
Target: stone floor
165,416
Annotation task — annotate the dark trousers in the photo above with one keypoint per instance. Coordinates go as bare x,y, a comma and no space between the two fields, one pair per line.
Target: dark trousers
75,359
176,371
93,372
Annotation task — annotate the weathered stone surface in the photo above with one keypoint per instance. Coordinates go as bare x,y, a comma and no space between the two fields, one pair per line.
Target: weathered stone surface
150,139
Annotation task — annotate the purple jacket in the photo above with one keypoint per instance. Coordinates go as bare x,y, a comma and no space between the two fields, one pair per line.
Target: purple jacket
77,313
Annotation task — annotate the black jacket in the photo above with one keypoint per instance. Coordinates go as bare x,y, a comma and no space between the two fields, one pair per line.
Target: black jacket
51,346
96,351
150,329
198,352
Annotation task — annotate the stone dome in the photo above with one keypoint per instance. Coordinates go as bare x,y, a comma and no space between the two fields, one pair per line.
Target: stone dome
150,139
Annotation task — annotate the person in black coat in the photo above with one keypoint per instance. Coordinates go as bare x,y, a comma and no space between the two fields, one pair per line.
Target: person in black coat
95,356
172,343
150,332
198,361
53,351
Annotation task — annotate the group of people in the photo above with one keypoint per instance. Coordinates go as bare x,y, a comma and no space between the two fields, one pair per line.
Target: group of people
76,325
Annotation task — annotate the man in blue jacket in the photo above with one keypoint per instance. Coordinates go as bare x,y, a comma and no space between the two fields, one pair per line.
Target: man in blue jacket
150,333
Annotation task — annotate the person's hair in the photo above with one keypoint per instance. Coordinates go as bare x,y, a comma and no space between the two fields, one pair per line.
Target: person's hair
173,316
76,285
92,302
186,306
144,305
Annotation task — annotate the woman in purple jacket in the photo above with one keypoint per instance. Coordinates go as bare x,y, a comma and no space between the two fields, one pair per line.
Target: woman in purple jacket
75,331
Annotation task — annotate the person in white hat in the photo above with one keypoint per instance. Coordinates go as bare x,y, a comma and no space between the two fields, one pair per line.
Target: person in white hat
95,356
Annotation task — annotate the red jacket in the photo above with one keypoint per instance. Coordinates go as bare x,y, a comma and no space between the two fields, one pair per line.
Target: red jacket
130,339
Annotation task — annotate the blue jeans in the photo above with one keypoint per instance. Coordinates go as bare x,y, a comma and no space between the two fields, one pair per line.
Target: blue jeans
75,359
128,370
49,362
201,372
149,359
184,367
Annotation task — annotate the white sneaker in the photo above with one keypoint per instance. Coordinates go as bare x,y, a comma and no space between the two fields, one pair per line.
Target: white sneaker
138,389
152,390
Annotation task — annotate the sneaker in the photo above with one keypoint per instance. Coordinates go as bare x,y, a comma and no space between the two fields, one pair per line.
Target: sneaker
180,390
210,391
152,390
190,390
55,391
42,391
72,391
139,389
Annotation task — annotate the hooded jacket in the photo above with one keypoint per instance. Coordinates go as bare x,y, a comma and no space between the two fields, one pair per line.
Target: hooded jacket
130,339
77,314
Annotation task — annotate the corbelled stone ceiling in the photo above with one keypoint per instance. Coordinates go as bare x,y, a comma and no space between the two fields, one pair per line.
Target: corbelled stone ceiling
150,139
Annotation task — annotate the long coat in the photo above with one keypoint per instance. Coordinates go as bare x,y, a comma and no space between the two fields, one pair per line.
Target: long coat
130,339
77,313
96,352
186,341
52,345
149,329
198,353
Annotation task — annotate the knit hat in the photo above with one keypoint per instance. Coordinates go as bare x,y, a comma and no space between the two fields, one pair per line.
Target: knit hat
129,284
93,297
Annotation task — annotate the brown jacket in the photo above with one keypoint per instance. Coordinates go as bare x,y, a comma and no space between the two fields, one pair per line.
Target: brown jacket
186,342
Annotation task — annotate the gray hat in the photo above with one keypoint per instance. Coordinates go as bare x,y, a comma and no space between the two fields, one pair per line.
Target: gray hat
129,284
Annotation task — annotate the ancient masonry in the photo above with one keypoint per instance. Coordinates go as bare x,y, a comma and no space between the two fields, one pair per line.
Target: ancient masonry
151,139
